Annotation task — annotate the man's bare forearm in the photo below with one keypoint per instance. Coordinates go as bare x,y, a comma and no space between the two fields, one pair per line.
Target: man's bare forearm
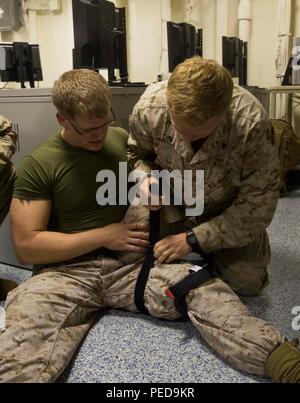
46,247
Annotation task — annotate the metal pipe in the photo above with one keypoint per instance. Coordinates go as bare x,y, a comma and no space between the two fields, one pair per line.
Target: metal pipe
245,17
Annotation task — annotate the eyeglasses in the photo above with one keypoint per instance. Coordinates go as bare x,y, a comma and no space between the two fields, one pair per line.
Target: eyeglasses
93,129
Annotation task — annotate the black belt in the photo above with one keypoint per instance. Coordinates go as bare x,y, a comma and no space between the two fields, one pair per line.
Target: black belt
148,262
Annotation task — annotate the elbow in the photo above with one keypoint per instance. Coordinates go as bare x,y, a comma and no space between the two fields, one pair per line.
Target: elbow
25,261
23,256
23,253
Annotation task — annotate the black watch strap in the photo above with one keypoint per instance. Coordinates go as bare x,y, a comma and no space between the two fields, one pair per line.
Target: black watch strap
193,242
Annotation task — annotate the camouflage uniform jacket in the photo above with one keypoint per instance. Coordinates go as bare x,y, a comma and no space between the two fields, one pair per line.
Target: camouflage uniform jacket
239,159
8,140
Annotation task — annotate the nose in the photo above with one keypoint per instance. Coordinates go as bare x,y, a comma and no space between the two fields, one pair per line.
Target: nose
100,130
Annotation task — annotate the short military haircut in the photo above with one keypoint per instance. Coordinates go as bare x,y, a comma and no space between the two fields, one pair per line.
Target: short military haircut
199,89
82,93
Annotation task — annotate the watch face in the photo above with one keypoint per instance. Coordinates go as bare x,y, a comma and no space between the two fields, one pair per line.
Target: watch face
191,239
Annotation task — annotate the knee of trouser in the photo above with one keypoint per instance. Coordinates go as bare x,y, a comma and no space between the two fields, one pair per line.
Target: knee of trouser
251,287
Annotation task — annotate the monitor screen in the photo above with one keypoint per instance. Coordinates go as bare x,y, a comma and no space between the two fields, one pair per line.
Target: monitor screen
100,38
93,34
176,45
232,52
8,71
20,62
235,58
184,41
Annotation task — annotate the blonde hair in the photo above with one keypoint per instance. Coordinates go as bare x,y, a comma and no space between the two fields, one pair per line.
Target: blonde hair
199,89
82,92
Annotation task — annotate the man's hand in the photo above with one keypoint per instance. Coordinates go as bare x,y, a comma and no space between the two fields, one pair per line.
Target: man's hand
171,248
126,237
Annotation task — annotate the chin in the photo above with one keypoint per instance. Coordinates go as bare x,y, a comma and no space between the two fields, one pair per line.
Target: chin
99,147
95,146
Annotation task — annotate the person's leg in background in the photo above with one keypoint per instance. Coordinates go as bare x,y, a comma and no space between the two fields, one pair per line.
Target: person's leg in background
7,178
244,269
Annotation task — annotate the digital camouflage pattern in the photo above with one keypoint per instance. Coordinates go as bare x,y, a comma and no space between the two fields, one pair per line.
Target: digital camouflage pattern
8,140
240,163
48,315
288,146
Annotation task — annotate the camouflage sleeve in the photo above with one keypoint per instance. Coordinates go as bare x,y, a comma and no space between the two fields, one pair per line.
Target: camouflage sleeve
254,205
8,141
140,151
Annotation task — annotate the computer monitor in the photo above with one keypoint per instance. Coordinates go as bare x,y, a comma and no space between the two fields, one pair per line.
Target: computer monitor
184,41
235,56
20,62
8,71
100,37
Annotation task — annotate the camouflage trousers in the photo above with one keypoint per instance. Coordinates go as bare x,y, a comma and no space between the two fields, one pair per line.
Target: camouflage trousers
48,315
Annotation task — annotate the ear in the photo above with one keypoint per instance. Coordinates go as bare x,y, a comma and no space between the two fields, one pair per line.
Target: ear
61,119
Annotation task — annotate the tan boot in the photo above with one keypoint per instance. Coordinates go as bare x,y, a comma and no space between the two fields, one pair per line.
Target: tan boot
5,287
283,365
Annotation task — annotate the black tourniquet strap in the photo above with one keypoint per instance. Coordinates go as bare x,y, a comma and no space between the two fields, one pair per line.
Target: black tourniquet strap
148,262
180,290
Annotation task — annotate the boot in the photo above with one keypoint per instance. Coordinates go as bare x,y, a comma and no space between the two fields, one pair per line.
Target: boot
5,287
283,364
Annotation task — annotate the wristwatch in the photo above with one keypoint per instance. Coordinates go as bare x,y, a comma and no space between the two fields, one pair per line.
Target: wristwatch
193,242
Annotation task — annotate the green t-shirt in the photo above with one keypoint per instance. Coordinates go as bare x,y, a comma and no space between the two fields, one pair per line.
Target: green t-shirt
66,175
